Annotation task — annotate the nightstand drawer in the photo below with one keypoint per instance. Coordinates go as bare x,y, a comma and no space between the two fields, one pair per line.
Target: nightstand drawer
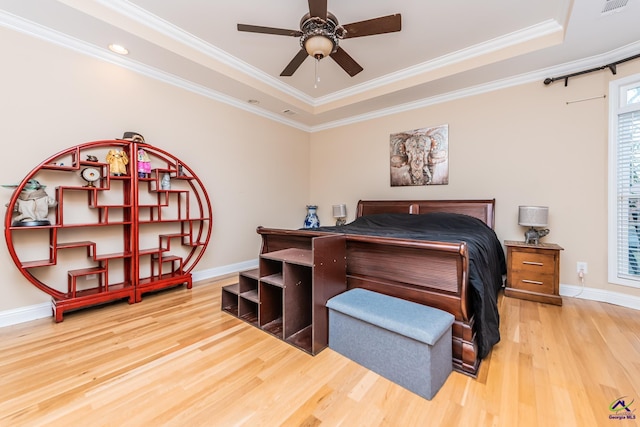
526,281
533,271
535,263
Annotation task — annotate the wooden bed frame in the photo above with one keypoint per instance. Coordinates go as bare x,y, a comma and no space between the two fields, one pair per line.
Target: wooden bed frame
426,272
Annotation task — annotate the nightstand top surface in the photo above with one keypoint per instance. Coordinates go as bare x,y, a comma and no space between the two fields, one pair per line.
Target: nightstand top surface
538,246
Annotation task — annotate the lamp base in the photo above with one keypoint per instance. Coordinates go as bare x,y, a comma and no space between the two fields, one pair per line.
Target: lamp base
532,236
341,221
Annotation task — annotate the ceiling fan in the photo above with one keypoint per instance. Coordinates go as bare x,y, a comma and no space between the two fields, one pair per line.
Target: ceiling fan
320,32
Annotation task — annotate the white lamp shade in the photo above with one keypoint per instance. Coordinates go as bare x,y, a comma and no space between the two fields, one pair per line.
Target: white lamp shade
339,211
533,216
318,46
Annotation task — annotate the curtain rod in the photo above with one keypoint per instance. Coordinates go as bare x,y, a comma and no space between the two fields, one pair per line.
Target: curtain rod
611,66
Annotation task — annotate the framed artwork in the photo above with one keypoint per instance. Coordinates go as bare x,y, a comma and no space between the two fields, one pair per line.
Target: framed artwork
420,156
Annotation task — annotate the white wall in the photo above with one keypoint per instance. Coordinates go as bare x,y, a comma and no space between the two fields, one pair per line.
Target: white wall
519,145
255,170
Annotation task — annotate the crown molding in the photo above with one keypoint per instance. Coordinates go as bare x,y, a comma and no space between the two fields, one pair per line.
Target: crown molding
149,20
32,29
527,34
174,32
539,75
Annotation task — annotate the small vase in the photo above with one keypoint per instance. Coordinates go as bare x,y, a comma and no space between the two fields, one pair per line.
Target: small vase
311,220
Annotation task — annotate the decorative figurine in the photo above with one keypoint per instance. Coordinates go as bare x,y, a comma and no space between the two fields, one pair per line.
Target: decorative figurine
532,236
32,205
118,161
165,184
144,164
133,137
91,158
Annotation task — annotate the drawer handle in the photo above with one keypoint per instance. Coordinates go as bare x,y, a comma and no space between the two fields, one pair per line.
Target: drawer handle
532,263
533,282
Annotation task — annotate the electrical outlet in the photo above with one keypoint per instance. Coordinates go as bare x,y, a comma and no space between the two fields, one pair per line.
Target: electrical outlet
581,266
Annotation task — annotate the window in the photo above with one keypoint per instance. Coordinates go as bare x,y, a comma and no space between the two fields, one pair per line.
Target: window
624,181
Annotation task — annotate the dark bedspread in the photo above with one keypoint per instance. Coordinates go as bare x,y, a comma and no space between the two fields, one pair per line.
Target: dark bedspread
486,257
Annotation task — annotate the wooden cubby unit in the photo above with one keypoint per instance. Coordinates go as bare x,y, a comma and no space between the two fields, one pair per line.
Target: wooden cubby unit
117,237
248,296
286,295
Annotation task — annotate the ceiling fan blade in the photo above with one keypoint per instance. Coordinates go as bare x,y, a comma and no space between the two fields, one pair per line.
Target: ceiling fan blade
318,8
370,27
295,63
269,30
346,62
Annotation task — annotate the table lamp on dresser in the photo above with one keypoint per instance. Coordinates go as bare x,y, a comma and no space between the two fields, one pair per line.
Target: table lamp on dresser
533,216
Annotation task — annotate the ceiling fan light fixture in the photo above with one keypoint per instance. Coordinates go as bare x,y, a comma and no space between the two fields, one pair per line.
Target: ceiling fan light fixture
319,46
320,34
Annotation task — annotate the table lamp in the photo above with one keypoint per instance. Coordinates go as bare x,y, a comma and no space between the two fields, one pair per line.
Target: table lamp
533,216
340,214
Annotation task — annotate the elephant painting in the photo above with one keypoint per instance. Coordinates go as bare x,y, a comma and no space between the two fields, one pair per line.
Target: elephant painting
420,157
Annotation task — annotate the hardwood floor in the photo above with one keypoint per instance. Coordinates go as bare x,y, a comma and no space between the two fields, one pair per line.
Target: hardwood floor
175,359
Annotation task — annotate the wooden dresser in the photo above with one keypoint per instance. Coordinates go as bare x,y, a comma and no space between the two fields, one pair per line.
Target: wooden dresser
533,272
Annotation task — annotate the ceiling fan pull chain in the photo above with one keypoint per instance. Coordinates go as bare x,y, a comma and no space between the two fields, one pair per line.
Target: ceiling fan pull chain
317,76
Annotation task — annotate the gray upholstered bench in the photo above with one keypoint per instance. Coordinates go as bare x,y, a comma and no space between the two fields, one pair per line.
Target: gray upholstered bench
405,342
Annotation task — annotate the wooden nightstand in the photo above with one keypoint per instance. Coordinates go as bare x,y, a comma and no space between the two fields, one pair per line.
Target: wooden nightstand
533,272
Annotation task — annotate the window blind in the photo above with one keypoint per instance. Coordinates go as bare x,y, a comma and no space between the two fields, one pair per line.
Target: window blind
628,191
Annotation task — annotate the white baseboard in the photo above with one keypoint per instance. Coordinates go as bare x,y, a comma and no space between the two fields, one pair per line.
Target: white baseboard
25,314
600,295
39,311
226,270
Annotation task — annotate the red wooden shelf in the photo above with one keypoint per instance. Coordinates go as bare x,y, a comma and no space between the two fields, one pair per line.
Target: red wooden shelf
99,223
36,264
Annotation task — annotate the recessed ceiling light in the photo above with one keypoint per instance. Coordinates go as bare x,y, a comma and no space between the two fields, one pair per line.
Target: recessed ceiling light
118,49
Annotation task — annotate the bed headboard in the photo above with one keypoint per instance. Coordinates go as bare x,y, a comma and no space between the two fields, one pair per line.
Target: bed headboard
481,209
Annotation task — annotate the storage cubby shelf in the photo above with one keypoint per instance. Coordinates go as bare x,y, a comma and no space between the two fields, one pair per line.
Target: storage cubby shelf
252,274
286,295
292,256
95,226
251,295
232,288
274,279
